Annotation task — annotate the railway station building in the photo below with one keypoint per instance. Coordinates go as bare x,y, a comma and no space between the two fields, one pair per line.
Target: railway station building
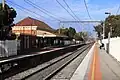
35,34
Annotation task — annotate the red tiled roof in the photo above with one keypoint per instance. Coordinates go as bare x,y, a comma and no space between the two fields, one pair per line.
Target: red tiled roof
33,22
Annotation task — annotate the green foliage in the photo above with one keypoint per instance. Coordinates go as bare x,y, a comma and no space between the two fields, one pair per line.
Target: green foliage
6,20
70,32
7,15
112,24
78,36
81,36
99,29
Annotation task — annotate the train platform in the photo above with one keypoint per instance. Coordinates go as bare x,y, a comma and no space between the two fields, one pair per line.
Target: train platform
30,54
97,65
11,58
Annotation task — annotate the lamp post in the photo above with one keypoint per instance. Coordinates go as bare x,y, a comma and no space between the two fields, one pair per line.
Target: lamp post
109,34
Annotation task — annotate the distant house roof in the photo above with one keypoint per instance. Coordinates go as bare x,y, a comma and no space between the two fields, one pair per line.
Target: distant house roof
41,28
34,22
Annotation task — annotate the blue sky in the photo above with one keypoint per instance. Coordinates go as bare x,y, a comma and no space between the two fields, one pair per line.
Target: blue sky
97,8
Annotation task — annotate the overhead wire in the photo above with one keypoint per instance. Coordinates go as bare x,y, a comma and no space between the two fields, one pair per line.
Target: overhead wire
66,10
44,9
39,8
27,10
71,10
87,9
118,10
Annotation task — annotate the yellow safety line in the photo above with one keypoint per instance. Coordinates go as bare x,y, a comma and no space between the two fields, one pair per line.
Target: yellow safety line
93,68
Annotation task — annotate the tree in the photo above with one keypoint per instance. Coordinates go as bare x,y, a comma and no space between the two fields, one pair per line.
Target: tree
112,24
82,36
99,29
63,31
70,32
6,21
78,36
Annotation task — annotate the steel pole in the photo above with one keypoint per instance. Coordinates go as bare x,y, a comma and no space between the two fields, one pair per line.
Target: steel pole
103,30
109,34
108,42
59,27
3,4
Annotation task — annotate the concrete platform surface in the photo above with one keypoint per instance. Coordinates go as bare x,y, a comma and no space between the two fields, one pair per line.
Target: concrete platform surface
110,68
98,65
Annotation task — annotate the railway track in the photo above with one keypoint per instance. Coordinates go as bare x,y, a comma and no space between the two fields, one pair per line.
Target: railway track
32,60
67,72
47,72
70,59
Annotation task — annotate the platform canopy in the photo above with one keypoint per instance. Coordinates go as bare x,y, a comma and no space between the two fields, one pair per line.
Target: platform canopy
41,33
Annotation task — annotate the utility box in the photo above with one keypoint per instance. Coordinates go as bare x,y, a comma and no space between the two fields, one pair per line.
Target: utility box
8,48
